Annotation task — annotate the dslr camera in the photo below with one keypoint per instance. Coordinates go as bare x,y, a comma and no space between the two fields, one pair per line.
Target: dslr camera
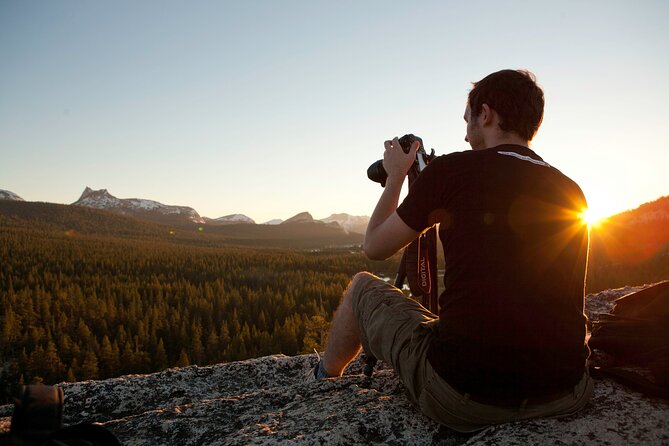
378,174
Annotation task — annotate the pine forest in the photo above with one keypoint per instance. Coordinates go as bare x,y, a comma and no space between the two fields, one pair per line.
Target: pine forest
77,308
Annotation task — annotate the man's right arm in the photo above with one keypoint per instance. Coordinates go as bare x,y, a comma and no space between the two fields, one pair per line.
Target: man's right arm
386,232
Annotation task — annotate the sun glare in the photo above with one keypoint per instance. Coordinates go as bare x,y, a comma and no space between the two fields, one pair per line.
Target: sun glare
592,217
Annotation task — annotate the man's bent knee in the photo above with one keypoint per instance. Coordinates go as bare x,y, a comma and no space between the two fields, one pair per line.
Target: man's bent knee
360,277
353,290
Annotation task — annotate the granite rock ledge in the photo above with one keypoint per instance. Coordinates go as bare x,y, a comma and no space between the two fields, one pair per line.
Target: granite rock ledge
269,400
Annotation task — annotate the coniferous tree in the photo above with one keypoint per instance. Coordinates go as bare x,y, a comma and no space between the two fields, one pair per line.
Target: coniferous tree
89,369
160,358
183,360
213,347
316,331
54,367
109,360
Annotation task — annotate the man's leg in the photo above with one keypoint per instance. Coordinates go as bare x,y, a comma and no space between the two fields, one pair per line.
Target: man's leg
391,327
344,338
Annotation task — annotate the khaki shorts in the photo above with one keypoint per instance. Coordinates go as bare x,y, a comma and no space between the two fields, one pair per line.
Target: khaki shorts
398,330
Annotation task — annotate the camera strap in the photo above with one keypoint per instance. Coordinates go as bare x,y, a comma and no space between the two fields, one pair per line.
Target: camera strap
420,266
419,261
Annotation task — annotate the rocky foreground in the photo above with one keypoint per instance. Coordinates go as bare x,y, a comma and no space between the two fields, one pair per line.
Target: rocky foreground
268,400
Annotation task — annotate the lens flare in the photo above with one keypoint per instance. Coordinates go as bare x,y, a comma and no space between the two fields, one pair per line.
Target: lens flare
592,217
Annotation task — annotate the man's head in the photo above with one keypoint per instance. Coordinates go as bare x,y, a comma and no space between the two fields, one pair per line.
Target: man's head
506,106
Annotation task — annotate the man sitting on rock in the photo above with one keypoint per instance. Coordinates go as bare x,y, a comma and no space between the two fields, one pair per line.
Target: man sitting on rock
509,341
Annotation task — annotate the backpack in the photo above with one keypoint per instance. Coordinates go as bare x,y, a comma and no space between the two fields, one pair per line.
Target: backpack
636,334
37,420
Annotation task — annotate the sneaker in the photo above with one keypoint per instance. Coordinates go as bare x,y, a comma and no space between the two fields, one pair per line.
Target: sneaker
318,372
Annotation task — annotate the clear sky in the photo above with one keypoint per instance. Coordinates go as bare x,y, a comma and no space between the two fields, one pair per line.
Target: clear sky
270,108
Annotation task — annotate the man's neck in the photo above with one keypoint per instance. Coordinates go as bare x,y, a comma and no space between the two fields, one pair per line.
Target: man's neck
505,138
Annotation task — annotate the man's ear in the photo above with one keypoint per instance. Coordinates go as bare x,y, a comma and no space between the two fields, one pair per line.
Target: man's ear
486,114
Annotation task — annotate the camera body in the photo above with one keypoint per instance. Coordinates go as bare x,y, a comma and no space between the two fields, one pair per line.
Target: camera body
407,140
378,174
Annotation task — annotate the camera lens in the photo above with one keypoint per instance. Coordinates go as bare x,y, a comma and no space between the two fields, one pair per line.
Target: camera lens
377,173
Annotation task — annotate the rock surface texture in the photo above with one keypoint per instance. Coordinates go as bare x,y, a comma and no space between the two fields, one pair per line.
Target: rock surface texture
270,400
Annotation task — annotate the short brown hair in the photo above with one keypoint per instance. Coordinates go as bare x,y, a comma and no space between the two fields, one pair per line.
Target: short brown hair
515,96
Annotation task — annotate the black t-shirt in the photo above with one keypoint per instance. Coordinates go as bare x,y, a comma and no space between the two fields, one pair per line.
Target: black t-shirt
511,315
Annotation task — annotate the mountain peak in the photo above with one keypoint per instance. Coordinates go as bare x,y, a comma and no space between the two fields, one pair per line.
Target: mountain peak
88,192
99,199
351,223
9,195
234,219
137,207
302,217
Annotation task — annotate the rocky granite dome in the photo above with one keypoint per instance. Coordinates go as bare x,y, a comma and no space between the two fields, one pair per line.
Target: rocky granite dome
232,219
305,217
302,217
340,221
269,401
137,207
9,195
351,223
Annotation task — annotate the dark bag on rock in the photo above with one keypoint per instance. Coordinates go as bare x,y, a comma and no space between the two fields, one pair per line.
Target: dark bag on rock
37,421
636,334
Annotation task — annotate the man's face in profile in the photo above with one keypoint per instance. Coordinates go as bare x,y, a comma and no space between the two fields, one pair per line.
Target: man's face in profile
474,136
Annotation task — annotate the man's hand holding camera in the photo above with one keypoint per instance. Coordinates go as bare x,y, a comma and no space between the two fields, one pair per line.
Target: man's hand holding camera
396,161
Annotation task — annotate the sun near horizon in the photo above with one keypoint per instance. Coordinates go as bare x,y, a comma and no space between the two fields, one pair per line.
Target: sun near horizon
594,216
601,206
